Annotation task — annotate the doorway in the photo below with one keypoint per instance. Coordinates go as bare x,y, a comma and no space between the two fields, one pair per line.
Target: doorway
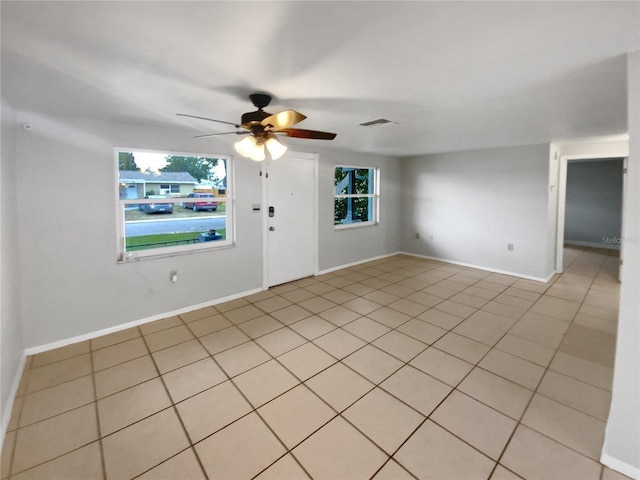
605,240
290,218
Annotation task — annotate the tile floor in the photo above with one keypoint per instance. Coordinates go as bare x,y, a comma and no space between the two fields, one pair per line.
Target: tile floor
394,369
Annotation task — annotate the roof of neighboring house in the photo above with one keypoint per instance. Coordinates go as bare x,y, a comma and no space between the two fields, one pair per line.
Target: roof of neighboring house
157,177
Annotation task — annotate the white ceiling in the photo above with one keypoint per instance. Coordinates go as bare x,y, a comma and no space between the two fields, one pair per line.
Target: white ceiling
452,75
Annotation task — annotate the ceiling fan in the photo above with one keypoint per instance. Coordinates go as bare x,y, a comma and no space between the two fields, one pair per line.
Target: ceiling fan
262,128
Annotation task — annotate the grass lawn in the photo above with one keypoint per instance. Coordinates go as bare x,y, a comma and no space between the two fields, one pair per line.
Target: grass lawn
145,242
178,212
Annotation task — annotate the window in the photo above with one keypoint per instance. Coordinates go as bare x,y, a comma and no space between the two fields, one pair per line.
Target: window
171,203
168,189
355,196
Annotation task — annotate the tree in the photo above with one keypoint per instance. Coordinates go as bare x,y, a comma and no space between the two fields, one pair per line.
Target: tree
126,161
199,167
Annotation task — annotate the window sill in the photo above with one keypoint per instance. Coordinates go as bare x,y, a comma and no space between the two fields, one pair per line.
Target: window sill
351,226
131,257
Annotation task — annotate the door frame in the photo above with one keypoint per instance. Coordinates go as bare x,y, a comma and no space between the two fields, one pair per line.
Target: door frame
264,171
562,199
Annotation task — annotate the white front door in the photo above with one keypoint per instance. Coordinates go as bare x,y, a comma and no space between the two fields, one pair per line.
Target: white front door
290,218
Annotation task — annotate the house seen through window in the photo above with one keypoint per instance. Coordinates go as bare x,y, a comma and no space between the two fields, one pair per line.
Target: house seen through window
355,196
171,203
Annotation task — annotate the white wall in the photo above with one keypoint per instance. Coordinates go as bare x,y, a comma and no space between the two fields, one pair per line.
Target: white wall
11,342
621,448
475,203
593,208
345,246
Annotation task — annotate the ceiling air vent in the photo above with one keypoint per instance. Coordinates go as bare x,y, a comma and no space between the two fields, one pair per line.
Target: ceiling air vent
373,123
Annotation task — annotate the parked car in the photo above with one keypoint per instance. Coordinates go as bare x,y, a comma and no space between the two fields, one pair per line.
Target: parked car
156,207
205,202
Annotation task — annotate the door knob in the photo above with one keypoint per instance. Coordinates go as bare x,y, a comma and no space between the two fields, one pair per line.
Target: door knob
271,229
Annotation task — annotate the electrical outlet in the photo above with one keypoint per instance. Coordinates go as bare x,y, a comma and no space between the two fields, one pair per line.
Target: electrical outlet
510,247
173,276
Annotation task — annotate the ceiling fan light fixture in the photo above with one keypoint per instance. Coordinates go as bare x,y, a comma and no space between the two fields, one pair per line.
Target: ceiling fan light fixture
276,149
246,146
258,153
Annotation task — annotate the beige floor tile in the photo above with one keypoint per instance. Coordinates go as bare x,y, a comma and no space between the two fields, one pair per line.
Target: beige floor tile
380,297
545,322
119,353
339,343
455,308
281,341
359,288
296,414
389,317
339,315
126,407
55,400
393,471
510,311
383,419
362,306
536,334
422,331
339,451
84,463
125,375
312,327
179,355
319,288
532,455
433,453
306,360
242,450
440,319
58,372
317,304
272,304
265,382
514,301
239,359
183,466
565,425
372,363
339,386
533,352
478,291
242,314
167,338
590,321
469,300
416,389
556,307
260,326
366,329
590,351
513,368
56,436
524,294
7,452
231,305
223,340
297,295
440,291
503,395
284,469
207,325
462,347
158,325
604,313
408,307
198,314
400,345
143,445
480,331
576,394
608,474
501,473
58,354
446,368
475,423
375,282
113,338
211,410
193,378
291,314
339,296
584,370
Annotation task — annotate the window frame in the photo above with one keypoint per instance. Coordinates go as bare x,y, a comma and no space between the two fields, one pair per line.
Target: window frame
124,256
375,196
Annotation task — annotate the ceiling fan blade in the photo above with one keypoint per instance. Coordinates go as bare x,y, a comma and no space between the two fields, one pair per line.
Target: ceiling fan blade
313,134
210,119
222,133
283,120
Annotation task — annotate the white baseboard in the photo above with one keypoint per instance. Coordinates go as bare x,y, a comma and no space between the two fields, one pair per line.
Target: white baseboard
359,262
620,466
480,267
134,323
607,246
8,408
